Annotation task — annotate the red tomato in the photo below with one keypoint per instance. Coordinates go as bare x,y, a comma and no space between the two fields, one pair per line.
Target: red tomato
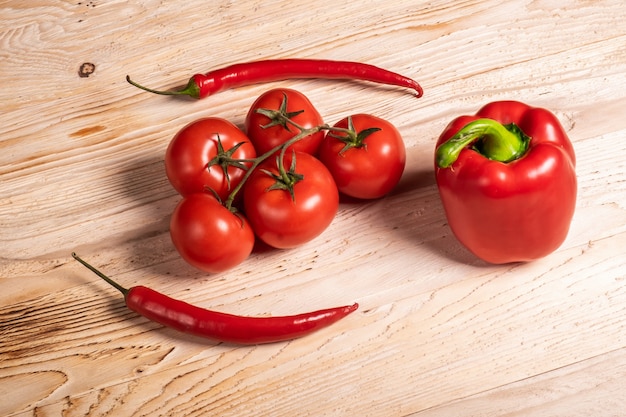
266,139
368,165
209,236
194,146
285,222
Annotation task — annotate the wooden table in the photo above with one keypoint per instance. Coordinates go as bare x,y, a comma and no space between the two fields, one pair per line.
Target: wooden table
438,333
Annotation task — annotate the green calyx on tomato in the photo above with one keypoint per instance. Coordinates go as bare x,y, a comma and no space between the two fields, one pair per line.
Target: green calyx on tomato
196,153
495,141
225,159
280,117
350,137
282,220
286,179
374,167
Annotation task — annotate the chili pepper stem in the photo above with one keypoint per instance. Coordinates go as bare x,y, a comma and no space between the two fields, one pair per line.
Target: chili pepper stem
191,89
498,142
121,289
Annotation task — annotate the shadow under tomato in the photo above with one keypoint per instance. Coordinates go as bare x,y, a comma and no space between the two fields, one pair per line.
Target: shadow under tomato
414,213
260,247
153,200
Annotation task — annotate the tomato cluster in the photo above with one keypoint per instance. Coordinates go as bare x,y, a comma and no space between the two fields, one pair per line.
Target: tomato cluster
278,180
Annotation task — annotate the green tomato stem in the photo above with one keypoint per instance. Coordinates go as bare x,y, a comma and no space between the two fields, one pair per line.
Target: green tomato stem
259,159
281,117
504,143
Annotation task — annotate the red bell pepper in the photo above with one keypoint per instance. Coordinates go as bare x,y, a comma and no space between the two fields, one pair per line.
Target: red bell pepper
507,181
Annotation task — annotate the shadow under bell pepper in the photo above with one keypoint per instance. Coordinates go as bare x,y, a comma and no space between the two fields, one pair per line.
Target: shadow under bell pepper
507,181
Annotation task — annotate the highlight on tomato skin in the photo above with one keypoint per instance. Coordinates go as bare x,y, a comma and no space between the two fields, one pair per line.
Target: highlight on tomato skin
206,154
267,128
367,163
208,236
285,218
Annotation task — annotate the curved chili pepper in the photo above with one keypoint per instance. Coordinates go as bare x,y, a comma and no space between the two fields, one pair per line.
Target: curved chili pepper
224,327
247,73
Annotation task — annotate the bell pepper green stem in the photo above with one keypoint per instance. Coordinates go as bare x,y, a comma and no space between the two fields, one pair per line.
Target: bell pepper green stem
504,143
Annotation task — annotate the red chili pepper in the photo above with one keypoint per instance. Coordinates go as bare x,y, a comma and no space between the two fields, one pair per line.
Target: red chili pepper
237,75
224,327
507,181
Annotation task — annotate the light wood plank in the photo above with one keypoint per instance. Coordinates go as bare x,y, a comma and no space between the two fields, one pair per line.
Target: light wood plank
438,332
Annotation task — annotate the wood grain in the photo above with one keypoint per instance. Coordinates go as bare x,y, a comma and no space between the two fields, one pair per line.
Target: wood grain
439,333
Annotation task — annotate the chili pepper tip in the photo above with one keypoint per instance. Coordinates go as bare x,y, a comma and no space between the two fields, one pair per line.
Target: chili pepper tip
418,90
